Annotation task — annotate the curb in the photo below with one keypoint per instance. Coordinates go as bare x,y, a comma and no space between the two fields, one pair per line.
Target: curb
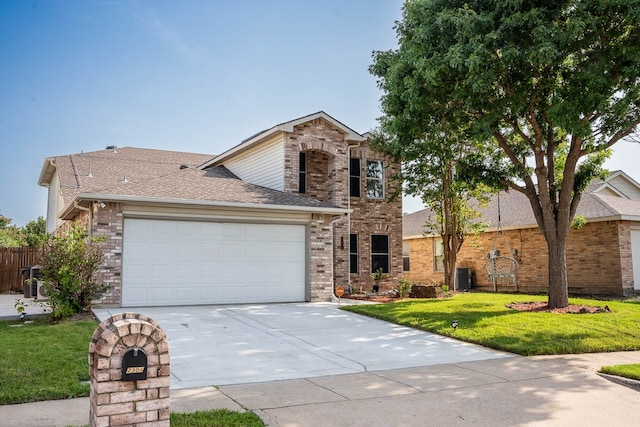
628,382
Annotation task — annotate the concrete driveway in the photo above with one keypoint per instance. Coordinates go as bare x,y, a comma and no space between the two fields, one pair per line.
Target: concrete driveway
236,344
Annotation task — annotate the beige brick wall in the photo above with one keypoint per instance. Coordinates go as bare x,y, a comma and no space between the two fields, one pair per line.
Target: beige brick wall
108,221
598,259
377,216
328,180
113,402
320,258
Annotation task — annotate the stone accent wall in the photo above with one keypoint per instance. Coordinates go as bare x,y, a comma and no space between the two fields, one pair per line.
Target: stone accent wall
328,164
142,403
108,221
598,259
318,164
320,258
376,216
626,258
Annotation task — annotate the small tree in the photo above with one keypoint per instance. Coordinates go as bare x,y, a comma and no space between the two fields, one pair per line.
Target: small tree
429,166
35,232
69,268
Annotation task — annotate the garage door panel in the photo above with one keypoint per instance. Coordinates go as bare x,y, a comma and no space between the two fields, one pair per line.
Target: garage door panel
160,294
188,262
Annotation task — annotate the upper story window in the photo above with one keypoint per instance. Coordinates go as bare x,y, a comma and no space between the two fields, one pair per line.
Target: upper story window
302,174
375,179
354,177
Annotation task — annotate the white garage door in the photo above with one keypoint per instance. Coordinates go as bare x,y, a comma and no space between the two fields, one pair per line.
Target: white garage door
635,254
188,262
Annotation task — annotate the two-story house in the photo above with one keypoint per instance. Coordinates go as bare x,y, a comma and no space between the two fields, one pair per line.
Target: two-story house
287,215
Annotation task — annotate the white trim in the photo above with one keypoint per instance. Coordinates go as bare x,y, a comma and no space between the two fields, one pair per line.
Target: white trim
204,203
219,215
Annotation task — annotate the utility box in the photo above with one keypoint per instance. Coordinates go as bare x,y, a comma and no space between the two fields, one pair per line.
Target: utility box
463,279
26,286
32,286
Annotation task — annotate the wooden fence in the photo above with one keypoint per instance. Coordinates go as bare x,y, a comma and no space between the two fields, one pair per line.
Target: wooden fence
11,262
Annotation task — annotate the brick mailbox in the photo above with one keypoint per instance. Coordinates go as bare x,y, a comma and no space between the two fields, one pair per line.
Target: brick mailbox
129,371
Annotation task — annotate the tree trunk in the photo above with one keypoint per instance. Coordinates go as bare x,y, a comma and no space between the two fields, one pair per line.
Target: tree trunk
450,259
558,287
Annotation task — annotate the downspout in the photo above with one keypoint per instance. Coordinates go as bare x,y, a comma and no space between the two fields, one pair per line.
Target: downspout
333,288
82,208
349,214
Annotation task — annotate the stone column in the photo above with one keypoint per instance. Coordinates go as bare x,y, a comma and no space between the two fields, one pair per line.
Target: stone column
115,401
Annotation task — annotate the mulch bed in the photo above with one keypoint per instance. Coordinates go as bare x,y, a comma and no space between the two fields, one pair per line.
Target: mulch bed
571,309
371,297
532,306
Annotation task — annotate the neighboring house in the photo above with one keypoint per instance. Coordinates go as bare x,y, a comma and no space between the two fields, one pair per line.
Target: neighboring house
287,215
603,257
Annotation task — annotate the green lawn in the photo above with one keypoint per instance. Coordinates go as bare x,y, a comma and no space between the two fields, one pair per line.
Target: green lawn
44,361
628,371
216,418
484,319
48,361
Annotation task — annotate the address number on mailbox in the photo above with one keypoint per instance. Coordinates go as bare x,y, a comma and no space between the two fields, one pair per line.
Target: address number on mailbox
134,365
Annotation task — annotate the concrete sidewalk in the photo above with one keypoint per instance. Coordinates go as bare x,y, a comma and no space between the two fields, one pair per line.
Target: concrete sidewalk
32,308
515,391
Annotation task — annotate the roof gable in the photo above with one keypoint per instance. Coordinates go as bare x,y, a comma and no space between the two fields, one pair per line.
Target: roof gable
286,127
618,183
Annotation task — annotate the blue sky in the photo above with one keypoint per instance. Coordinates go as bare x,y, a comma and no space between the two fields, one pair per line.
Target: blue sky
191,75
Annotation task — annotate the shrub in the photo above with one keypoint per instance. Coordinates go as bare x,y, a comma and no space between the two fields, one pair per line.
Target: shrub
69,267
404,287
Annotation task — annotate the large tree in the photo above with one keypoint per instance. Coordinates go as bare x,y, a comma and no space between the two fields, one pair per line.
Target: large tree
549,85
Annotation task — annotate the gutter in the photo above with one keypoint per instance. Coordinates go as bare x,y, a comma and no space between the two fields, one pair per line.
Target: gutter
205,203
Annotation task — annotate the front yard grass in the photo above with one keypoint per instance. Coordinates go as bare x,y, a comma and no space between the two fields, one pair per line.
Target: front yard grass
483,318
44,361
216,418
48,361
628,371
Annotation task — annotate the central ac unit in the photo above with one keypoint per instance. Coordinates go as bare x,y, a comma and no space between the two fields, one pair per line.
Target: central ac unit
42,292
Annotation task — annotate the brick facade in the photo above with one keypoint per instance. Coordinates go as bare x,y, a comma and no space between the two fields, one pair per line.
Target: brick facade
114,402
598,259
108,221
328,155
377,216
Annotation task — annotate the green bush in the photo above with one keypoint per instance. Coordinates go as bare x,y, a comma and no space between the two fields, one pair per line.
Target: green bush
404,287
69,271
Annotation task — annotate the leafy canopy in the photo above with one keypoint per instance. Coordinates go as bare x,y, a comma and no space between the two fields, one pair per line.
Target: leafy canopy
546,86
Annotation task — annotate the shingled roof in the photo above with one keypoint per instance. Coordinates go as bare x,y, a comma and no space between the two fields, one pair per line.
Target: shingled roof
102,170
516,212
138,174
